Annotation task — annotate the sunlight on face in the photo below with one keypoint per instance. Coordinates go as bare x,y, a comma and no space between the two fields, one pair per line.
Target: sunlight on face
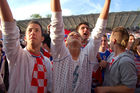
104,42
74,35
73,38
33,34
131,39
84,31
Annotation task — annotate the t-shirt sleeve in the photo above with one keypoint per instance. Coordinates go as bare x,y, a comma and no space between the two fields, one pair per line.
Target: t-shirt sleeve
127,70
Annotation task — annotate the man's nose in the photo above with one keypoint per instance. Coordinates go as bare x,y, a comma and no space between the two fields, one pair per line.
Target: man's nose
33,32
86,28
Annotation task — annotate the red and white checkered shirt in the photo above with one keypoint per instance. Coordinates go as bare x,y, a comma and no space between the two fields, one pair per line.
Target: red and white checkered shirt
39,75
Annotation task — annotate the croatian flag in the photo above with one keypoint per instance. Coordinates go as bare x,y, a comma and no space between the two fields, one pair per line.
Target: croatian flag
66,34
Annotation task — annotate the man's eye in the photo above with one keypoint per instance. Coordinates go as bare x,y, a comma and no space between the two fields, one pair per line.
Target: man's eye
30,30
37,30
83,28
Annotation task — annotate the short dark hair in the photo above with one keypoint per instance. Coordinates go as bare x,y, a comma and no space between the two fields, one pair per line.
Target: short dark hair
131,35
47,40
36,22
85,23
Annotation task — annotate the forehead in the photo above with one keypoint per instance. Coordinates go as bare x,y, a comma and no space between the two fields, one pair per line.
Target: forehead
132,37
73,33
33,25
83,25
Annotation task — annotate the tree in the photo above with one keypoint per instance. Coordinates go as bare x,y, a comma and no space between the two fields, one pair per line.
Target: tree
138,9
48,15
36,16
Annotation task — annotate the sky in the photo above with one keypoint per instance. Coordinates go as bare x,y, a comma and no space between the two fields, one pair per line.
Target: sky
23,9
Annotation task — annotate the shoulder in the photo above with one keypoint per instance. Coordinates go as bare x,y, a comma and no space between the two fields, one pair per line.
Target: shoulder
126,57
126,61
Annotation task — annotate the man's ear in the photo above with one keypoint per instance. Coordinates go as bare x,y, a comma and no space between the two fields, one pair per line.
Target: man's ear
66,43
115,41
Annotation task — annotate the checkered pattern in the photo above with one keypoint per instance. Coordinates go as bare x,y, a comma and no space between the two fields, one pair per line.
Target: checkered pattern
39,75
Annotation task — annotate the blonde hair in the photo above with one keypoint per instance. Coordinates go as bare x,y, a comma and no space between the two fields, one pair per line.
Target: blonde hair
121,35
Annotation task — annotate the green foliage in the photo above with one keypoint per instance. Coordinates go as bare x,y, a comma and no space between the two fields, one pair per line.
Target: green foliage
138,9
35,16
48,15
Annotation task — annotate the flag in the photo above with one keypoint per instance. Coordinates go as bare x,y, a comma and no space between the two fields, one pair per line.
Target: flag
66,34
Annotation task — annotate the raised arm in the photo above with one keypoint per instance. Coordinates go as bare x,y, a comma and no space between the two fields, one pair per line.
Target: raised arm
102,21
58,48
10,32
5,12
55,6
98,31
105,10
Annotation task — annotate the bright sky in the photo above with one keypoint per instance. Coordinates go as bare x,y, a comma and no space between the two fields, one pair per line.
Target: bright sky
23,9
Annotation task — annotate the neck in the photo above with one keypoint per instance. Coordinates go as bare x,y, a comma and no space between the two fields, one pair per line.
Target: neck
102,49
34,50
84,41
118,51
75,52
